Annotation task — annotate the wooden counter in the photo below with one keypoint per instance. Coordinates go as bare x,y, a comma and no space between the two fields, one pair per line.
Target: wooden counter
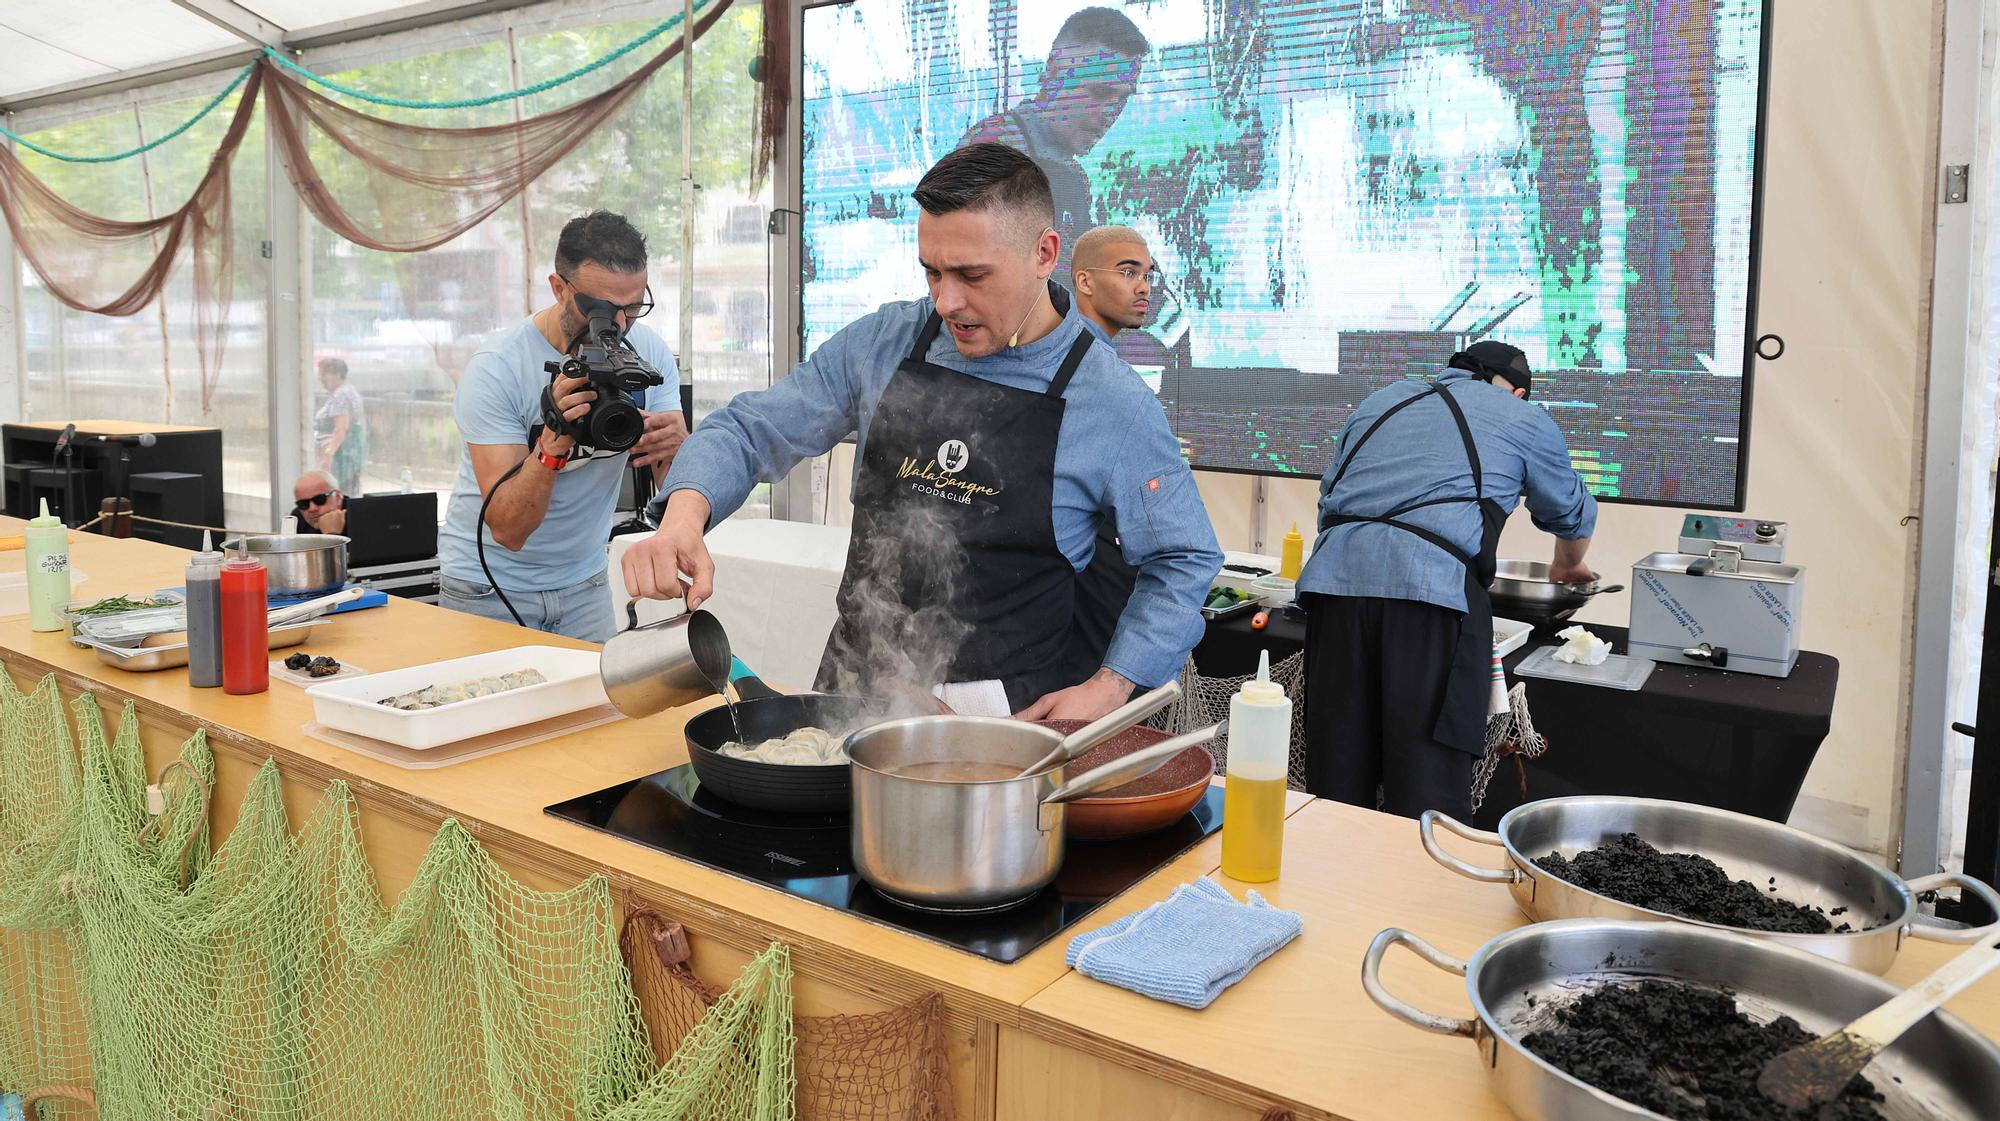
1028,1040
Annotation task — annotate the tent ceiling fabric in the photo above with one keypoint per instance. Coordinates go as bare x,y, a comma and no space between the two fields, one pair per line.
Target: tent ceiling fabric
49,44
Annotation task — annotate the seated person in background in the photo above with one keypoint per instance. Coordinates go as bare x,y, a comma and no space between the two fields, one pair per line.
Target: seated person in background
319,504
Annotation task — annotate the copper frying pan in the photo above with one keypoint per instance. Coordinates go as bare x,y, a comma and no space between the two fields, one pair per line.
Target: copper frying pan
1145,805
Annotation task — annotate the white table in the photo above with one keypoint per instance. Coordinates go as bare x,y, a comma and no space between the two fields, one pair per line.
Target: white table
774,589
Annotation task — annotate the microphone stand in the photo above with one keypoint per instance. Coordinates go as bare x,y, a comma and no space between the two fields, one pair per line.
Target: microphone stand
71,499
642,492
117,505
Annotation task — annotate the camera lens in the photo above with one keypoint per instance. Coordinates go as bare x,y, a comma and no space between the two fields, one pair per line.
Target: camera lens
615,425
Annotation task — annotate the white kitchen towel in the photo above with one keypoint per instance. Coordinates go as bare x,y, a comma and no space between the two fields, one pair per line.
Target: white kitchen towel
1187,948
975,698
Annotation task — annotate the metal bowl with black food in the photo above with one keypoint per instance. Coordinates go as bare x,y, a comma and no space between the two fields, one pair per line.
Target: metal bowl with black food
1522,590
1527,990
1863,911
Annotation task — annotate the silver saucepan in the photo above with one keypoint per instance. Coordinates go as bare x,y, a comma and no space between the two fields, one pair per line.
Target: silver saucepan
297,564
1790,862
945,821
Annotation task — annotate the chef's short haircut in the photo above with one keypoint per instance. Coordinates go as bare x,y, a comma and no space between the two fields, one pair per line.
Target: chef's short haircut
600,236
1102,27
1093,248
990,177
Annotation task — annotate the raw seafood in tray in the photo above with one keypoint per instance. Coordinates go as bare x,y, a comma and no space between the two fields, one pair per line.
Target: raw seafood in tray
437,696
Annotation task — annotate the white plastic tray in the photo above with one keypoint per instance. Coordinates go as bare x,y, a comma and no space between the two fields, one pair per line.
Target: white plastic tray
1509,636
478,747
349,705
1617,672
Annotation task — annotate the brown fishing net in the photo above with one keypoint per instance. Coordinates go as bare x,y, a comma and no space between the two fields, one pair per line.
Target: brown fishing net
886,1066
113,267
422,186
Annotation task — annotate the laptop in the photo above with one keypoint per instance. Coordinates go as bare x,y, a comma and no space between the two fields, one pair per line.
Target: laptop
391,528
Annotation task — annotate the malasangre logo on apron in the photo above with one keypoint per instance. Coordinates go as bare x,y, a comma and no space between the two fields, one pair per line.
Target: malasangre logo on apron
939,477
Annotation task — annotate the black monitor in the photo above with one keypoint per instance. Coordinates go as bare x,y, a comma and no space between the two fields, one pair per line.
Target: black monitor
391,528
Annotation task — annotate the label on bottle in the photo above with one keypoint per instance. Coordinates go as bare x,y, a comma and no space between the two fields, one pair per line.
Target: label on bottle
55,562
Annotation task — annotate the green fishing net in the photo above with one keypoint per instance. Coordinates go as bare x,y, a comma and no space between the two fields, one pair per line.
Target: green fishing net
150,979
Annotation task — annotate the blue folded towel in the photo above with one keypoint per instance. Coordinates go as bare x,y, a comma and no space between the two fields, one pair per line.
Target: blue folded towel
1187,948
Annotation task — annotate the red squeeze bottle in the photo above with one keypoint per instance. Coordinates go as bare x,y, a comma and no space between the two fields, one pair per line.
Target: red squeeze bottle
246,626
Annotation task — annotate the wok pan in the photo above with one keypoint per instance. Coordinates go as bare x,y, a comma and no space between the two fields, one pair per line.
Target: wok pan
768,714
1143,806
1522,590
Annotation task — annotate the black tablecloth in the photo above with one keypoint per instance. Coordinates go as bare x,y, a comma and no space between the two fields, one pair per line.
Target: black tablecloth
1230,647
1734,740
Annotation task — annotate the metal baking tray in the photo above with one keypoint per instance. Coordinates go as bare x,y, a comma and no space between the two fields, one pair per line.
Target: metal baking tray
1214,613
144,659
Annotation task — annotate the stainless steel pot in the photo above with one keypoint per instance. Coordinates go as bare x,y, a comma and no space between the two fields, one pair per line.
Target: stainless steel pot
297,564
1523,591
951,844
1803,868
1943,1070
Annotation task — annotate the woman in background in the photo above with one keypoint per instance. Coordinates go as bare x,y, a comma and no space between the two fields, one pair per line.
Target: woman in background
338,427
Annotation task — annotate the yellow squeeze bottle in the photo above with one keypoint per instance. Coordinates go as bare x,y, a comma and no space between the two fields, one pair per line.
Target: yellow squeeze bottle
1292,555
1253,800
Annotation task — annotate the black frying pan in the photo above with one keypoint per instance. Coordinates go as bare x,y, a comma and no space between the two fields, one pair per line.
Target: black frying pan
768,714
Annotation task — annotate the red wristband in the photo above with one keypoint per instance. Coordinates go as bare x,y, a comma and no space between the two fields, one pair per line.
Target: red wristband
552,462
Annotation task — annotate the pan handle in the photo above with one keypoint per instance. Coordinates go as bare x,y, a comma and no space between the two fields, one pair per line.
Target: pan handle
1371,982
1427,829
1931,932
1137,765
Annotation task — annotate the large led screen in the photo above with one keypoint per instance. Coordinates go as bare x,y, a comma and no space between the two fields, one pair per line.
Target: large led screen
1339,195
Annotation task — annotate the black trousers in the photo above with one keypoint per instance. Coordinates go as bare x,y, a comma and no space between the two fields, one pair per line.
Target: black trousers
1376,671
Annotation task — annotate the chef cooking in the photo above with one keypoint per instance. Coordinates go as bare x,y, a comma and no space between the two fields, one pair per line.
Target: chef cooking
991,418
1399,631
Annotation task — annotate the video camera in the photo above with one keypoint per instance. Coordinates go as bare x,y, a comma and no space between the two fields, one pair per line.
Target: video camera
614,370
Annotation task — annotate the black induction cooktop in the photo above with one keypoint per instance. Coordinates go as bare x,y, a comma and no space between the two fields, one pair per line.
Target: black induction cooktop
807,855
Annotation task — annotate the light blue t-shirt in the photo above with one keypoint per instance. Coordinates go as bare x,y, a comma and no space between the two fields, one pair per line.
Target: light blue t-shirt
499,400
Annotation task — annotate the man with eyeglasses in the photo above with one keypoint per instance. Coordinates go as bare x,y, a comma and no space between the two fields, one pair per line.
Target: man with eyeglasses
1114,278
547,527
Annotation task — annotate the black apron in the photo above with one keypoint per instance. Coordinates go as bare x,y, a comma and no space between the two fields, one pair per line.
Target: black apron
981,457
1103,589
1461,721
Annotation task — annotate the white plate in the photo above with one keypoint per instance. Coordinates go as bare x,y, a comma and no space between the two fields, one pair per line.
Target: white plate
349,705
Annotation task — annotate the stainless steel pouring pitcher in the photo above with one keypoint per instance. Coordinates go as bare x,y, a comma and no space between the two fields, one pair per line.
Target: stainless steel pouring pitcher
663,665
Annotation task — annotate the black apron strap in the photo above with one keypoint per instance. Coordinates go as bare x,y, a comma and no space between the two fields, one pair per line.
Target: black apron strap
1465,434
1355,447
926,336
1071,361
1440,541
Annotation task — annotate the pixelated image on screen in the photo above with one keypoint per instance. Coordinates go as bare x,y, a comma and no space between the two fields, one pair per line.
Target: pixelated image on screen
1341,194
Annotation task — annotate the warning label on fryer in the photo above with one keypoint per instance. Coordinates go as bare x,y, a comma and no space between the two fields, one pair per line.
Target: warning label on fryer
1668,600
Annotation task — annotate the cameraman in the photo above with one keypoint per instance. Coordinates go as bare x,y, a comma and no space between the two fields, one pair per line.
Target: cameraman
549,521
